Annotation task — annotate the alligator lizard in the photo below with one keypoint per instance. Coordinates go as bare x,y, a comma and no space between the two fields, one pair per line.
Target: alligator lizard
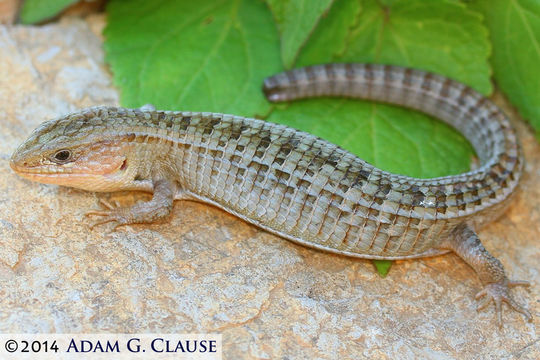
292,183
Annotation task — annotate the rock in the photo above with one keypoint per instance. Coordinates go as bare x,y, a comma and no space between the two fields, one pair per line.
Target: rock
207,271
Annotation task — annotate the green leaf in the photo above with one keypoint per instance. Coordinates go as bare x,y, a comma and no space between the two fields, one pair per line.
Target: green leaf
382,266
515,32
443,37
34,11
329,38
296,19
204,55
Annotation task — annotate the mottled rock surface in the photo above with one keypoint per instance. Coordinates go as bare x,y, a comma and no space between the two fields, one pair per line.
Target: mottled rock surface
207,271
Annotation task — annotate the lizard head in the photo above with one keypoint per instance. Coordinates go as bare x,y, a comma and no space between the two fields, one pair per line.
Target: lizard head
75,150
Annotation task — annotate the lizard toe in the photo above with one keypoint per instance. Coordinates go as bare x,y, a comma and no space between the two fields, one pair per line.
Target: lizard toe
499,293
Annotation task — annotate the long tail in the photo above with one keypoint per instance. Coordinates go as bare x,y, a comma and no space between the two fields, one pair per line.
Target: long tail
476,117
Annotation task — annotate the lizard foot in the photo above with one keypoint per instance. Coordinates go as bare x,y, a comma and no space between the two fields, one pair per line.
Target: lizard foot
112,213
143,212
499,293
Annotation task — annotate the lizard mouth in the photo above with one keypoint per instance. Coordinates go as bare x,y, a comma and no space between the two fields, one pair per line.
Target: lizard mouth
81,180
66,176
39,170
88,173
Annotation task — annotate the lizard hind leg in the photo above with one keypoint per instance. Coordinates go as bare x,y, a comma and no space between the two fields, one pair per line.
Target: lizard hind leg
465,243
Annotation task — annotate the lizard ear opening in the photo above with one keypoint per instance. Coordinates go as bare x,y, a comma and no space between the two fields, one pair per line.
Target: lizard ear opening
124,165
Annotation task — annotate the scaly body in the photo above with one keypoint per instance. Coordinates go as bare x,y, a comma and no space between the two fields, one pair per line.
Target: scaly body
292,183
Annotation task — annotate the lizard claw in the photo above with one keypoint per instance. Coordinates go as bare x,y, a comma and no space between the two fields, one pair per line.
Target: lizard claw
112,213
499,293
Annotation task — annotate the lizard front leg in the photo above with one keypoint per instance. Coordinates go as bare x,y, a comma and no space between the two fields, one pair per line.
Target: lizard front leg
157,208
466,244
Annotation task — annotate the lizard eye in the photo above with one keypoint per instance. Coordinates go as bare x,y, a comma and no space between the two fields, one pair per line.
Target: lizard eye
61,156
